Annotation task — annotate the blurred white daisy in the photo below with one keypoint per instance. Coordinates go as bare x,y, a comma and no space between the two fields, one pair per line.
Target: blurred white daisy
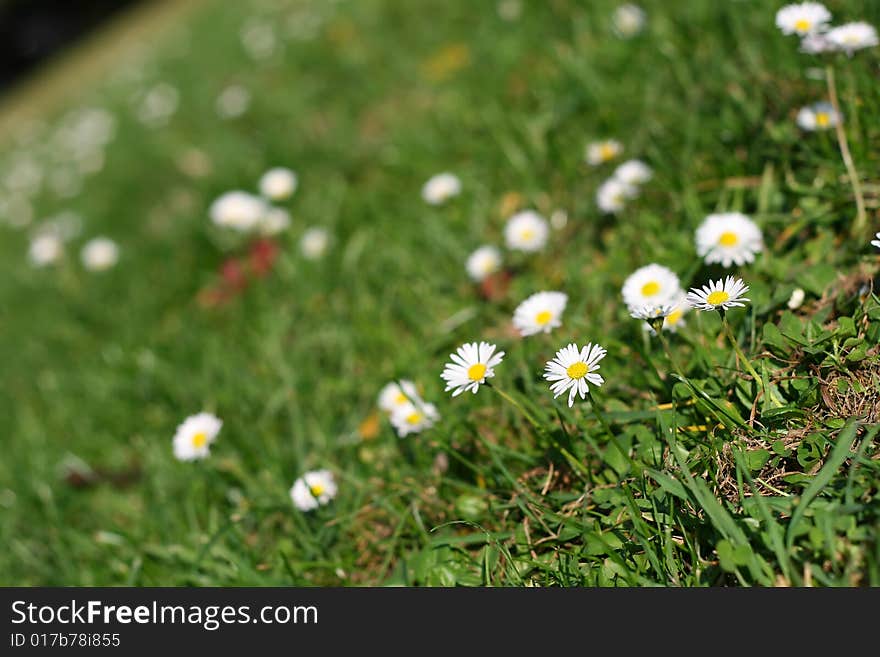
45,249
612,195
853,36
471,365
278,184
796,299
526,231
540,313
99,254
876,242
815,44
237,210
313,489
233,101
728,238
258,39
314,243
599,152
395,394
194,436
818,116
509,10
573,369
719,295
413,418
274,221
673,315
559,219
483,262
651,312
628,20
651,284
803,18
158,104
441,188
633,172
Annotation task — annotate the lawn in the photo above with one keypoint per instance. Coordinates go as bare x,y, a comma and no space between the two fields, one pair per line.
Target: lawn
681,470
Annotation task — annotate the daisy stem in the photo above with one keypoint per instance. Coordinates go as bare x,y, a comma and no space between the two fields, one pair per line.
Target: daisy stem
861,215
759,381
517,405
572,461
611,435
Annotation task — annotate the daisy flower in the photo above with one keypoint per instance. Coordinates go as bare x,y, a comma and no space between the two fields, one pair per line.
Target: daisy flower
612,195
396,394
483,262
719,295
274,221
675,319
237,210
651,284
633,172
526,231
803,18
99,254
599,152
313,489
628,20
314,242
441,188
540,313
573,369
796,299
232,102
45,249
673,315
651,312
876,242
471,365
413,418
818,116
816,44
194,436
852,37
278,184
728,238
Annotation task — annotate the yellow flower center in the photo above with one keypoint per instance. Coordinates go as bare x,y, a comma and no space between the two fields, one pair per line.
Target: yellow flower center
606,151
543,317
577,370
673,317
527,234
802,25
476,372
822,119
728,239
316,490
650,288
400,399
200,440
717,297
414,418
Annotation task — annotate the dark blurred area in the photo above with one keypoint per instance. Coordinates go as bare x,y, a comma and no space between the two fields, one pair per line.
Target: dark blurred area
33,30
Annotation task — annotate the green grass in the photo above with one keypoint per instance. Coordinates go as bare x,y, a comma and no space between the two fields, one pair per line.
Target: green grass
699,482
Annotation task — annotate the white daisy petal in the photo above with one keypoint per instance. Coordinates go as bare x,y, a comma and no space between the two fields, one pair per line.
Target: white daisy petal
719,295
313,489
729,238
572,369
194,436
651,284
540,313
526,231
